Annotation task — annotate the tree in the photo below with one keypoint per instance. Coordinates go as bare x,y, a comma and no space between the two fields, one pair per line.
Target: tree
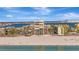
11,31
66,28
28,31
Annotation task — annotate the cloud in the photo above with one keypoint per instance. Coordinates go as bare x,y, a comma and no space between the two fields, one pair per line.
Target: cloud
31,18
9,8
40,13
42,10
28,17
9,16
69,15
15,10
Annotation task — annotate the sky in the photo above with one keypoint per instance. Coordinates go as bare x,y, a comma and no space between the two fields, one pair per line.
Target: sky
14,14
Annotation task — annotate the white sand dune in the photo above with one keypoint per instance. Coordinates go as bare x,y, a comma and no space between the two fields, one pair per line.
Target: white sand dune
40,40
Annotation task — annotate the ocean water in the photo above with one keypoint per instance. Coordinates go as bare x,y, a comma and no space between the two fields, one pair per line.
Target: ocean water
15,25
39,48
21,25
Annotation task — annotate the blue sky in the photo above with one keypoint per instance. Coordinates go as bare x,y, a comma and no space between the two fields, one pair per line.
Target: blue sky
13,14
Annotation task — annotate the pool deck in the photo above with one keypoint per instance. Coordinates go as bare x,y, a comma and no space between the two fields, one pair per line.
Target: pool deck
40,40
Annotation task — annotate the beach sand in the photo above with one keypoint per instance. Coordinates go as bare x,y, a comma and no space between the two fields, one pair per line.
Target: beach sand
40,40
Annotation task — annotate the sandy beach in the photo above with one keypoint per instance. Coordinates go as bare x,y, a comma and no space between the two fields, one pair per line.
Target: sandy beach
40,40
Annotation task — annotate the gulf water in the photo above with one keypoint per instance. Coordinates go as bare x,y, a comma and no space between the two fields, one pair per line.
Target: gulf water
21,25
39,48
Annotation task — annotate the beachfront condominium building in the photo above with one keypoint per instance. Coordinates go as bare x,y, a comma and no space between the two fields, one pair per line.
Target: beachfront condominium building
60,30
38,27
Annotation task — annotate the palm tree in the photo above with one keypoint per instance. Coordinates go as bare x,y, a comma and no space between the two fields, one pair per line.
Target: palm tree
77,28
66,28
51,29
11,31
28,31
6,31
